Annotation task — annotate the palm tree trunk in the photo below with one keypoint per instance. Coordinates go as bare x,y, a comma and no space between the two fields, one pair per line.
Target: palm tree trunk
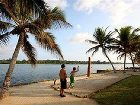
124,62
110,62
132,62
7,79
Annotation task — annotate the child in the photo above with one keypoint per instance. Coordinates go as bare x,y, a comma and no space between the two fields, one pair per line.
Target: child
63,80
72,76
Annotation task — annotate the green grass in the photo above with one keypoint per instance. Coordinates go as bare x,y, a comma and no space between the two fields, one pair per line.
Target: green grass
125,92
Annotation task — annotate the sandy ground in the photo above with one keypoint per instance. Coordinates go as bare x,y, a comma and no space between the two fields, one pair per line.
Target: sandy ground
43,94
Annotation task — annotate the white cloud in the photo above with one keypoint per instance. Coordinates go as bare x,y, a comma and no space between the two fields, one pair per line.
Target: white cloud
86,5
59,3
80,37
78,26
117,10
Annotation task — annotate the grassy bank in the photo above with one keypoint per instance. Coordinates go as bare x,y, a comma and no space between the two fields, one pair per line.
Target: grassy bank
125,92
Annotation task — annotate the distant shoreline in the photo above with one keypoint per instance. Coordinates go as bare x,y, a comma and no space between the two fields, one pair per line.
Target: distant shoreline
57,62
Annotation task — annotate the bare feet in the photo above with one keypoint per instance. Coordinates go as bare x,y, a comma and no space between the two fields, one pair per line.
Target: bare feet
62,95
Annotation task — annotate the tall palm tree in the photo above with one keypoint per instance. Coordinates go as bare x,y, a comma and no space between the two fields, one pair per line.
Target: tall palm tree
137,54
126,43
28,17
103,40
138,57
134,47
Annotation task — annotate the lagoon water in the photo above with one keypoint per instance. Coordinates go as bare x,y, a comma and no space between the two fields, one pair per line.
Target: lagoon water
24,73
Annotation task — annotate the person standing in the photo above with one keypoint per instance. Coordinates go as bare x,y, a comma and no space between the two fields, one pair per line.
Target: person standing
72,74
63,80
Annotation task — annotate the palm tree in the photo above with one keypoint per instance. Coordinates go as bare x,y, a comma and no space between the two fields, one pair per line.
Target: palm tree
137,54
137,57
102,40
24,18
134,47
126,43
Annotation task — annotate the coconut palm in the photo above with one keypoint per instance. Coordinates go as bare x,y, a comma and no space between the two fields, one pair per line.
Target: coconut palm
126,43
134,47
25,18
137,54
103,40
137,57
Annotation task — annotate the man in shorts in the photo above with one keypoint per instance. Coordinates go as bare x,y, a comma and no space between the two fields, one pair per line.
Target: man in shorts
63,80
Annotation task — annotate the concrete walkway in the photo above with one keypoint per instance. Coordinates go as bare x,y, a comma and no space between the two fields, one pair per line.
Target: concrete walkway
85,86
43,94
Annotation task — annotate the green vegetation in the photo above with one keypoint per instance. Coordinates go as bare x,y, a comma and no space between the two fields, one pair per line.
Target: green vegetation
55,62
125,44
125,92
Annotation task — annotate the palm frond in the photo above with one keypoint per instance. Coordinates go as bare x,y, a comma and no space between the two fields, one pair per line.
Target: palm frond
4,38
111,47
47,41
30,7
120,56
30,51
96,49
106,28
22,9
93,49
27,27
40,5
52,19
4,26
116,30
135,31
58,18
4,13
99,35
33,28
91,42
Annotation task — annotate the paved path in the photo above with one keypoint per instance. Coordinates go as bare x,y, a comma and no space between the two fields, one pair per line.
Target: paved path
42,93
85,86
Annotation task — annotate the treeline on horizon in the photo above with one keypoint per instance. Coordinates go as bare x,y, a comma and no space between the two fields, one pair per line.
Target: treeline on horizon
55,62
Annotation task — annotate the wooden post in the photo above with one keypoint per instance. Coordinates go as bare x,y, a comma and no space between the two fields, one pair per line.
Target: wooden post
89,64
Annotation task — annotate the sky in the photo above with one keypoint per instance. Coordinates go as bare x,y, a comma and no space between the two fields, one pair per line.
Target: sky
84,16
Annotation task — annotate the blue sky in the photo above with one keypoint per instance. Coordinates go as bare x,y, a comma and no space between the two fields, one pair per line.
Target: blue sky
85,16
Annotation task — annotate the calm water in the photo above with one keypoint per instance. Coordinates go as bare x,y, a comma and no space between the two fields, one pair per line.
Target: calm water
24,73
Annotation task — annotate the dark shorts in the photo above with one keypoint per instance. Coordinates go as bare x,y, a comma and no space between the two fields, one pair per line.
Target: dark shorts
63,83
